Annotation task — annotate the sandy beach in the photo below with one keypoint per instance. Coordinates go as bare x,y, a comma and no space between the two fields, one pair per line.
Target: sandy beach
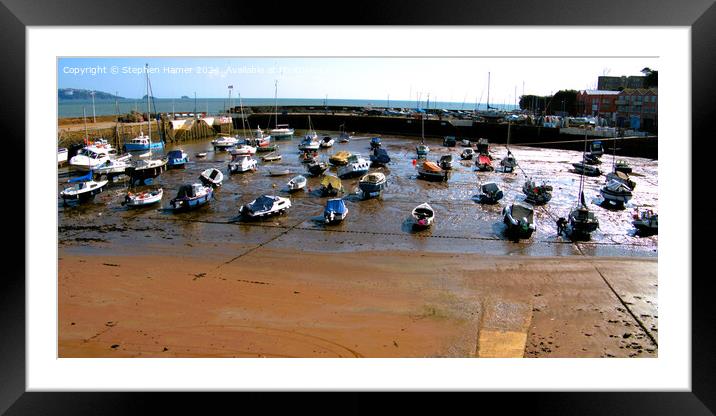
281,303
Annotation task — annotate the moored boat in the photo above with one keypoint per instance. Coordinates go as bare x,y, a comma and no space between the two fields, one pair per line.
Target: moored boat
508,163
316,168
309,143
271,157
646,222
422,150
537,194
327,142
380,157
177,159
372,183
142,142
445,162
483,146
484,163
344,136
519,218
211,177
622,166
375,143
467,154
339,158
279,172
431,171
61,156
224,142
616,192
449,141
465,143
282,131
335,211
297,183
621,177
356,166
143,198
191,197
243,150
146,169
490,193
241,164
331,185
85,188
423,216
589,170
264,206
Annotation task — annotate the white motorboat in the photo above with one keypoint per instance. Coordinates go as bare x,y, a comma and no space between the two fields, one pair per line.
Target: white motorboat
310,142
243,150
242,163
146,169
356,166
85,188
327,142
297,183
423,216
282,131
519,218
211,176
264,206
191,197
224,142
61,156
144,198
112,167
616,192
90,157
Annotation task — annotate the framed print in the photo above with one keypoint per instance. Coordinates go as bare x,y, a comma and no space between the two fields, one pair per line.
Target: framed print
442,201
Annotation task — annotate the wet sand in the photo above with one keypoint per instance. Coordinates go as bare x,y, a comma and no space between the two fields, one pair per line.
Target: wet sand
150,283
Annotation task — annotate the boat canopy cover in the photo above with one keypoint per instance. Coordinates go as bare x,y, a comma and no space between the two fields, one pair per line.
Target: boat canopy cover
375,177
616,186
331,180
336,205
432,167
484,160
262,203
375,140
175,154
490,188
85,178
520,211
342,155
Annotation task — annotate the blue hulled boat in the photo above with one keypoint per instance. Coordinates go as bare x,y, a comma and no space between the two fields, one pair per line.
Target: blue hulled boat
177,159
335,211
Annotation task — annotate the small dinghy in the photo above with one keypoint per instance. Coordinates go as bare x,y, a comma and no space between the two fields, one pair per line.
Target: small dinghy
224,142
266,148
375,143
339,158
279,172
646,223
379,157
537,194
297,183
191,197
327,142
356,166
243,150
467,154
316,168
622,166
484,163
200,155
331,185
85,188
589,170
449,141
372,184
423,216
264,206
490,193
508,163
241,164
335,211
616,192
177,159
621,177
141,199
431,171
211,177
271,157
465,143
445,162
422,150
519,218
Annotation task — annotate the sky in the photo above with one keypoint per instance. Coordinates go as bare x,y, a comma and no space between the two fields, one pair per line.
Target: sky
444,79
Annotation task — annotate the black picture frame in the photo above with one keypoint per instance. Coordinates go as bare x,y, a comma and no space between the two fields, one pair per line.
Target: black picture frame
16,15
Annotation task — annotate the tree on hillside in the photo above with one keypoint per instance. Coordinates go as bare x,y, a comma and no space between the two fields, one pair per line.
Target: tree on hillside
651,77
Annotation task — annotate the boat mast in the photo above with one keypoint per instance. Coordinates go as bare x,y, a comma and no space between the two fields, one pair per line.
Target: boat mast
488,90
275,100
243,121
84,116
149,116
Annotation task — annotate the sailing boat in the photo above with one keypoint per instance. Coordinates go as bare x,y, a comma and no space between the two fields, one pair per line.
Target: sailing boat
282,131
310,140
143,142
509,162
422,149
616,191
491,112
582,221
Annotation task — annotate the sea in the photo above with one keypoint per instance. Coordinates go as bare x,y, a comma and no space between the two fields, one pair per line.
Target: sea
75,108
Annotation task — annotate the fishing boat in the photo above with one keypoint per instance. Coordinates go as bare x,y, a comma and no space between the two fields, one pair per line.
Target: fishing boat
490,193
297,183
621,177
379,157
423,216
449,141
259,139
316,168
142,142
224,142
243,150
211,177
143,198
241,164
589,170
177,159
431,171
271,157
519,218
622,166
339,158
191,197
375,143
264,206
146,169
281,131
344,137
537,194
331,185
467,154
356,166
484,163
327,142
465,143
616,193
61,156
372,183
200,155
85,188
279,172
335,211
422,150
445,162
309,157
646,222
